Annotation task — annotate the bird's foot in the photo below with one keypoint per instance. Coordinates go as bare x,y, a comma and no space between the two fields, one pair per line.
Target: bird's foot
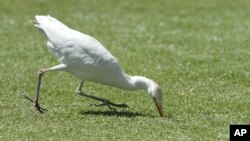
39,108
36,105
105,102
28,98
109,104
79,92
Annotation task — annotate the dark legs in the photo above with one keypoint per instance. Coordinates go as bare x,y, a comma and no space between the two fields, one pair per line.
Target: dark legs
105,102
62,67
39,78
41,72
37,93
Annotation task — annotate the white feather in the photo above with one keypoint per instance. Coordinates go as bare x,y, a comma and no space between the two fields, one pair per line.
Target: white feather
87,59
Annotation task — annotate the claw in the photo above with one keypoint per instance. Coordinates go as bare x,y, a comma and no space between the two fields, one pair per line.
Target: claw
105,102
36,105
28,98
39,108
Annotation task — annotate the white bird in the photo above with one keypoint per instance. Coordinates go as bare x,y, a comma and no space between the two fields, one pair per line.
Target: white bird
87,59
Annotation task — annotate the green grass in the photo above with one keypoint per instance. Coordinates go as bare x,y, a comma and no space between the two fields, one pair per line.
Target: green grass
197,50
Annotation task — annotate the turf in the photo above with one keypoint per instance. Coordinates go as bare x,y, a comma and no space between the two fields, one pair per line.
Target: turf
196,50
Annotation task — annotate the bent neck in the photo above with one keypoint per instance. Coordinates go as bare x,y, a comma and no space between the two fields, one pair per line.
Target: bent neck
136,82
124,81
139,82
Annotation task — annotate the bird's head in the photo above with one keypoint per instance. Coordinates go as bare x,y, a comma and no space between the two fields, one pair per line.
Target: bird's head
48,23
156,94
152,88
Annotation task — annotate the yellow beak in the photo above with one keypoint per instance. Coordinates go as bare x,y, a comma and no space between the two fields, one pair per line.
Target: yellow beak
159,108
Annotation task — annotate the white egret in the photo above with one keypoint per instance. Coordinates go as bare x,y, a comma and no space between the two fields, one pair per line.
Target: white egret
87,59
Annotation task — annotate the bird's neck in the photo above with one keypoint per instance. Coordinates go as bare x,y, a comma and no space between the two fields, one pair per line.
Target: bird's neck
124,81
139,82
136,82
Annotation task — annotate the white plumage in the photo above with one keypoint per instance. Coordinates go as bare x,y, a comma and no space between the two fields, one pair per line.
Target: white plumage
87,59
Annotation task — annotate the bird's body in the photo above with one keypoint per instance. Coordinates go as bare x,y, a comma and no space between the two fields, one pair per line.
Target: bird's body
82,55
87,59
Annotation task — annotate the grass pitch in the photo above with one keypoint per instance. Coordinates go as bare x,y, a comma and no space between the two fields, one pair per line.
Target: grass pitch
198,51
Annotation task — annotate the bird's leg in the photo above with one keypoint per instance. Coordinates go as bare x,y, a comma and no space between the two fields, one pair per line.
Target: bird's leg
41,72
105,102
39,78
79,88
36,104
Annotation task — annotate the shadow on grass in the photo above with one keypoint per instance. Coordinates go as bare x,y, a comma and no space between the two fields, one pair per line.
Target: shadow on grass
114,113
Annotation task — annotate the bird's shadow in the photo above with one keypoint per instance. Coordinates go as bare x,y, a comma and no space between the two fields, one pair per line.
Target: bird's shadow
114,113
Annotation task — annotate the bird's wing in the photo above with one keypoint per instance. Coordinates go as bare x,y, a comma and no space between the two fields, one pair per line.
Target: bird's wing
83,52
80,52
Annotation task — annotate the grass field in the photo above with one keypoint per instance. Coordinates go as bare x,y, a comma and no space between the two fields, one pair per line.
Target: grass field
197,50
